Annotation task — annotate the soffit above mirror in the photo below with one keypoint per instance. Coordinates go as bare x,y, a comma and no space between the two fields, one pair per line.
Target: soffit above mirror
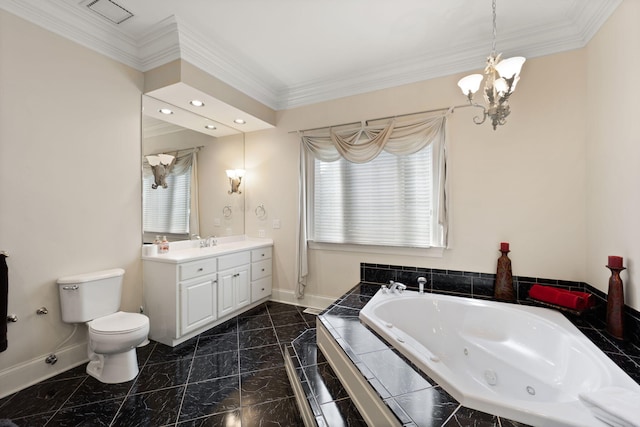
213,111
178,119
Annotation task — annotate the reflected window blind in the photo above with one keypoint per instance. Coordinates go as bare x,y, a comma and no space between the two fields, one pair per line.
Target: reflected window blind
387,201
166,210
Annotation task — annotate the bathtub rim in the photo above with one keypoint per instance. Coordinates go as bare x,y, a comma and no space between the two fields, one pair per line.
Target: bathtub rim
540,410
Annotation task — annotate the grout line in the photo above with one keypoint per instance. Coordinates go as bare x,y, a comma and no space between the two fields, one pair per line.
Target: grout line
67,399
184,392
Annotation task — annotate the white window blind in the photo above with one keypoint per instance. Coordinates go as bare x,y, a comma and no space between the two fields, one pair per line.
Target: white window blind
387,201
166,210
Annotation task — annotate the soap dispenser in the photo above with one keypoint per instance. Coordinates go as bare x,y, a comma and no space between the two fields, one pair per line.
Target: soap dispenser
164,245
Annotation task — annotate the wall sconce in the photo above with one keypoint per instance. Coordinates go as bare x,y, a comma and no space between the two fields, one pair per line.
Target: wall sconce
235,178
161,165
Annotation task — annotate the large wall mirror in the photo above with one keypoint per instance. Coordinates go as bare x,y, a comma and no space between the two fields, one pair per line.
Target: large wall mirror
186,190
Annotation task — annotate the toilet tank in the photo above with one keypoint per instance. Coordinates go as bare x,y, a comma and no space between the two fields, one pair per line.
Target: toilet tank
85,297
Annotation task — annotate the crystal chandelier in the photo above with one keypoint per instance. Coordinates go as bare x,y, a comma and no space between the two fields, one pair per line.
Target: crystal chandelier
502,76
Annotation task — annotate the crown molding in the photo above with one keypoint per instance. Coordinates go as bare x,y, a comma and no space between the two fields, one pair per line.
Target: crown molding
169,40
160,45
83,28
217,61
569,33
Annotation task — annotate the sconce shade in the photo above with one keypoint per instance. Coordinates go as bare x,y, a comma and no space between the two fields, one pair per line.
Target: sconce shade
235,178
235,173
470,84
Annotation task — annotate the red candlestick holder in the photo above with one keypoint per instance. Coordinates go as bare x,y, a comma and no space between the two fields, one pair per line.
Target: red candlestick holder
615,304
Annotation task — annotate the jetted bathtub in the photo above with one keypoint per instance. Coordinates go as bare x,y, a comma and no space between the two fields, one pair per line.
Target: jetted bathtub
525,363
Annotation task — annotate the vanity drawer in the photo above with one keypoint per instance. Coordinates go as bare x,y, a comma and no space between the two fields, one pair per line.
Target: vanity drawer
260,289
260,269
234,260
260,254
201,267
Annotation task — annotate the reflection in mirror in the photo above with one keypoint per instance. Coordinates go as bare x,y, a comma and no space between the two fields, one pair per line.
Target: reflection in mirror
196,199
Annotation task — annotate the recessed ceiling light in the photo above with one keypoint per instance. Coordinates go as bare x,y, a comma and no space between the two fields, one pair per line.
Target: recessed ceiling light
210,127
196,103
165,111
239,121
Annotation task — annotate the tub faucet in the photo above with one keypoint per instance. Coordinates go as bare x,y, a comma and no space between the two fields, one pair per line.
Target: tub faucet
421,282
396,285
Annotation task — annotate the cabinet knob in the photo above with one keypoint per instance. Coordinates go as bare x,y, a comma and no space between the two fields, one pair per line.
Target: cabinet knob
200,269
263,289
263,269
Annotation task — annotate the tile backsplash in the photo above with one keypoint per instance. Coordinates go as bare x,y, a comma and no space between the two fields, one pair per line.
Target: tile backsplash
480,285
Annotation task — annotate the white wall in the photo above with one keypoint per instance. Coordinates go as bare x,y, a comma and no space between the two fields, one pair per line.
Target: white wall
69,185
523,183
613,147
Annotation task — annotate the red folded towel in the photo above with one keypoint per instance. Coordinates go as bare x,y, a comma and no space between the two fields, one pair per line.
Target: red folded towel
570,299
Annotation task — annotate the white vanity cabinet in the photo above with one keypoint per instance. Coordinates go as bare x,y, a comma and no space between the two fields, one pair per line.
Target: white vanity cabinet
234,291
187,292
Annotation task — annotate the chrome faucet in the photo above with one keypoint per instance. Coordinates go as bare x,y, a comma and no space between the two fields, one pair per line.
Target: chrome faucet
211,241
421,282
200,241
396,286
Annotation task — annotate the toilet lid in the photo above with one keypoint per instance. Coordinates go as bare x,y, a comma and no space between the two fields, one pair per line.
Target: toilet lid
119,323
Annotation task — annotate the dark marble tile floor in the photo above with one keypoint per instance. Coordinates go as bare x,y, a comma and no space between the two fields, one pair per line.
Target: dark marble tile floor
231,375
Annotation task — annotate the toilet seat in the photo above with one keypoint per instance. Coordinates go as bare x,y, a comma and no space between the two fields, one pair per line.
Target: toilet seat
118,323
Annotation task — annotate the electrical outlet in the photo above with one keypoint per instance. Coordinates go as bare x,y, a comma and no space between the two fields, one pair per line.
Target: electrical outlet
276,224
261,233
216,222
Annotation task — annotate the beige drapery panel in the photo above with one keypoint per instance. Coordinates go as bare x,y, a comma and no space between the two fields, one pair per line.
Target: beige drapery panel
362,145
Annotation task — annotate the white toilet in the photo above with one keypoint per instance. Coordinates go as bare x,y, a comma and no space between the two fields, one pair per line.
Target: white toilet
94,298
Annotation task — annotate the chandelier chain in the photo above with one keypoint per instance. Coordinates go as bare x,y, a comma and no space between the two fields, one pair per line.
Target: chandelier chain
495,32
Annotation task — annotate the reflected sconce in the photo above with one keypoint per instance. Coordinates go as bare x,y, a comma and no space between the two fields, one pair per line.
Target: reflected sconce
501,77
235,178
161,165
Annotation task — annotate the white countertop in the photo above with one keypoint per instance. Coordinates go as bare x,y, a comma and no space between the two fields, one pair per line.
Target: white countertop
188,251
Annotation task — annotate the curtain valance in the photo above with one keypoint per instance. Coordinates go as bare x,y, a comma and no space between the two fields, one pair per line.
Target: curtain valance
365,143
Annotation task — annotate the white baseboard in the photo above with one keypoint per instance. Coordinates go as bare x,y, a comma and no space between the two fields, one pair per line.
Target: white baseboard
33,371
289,297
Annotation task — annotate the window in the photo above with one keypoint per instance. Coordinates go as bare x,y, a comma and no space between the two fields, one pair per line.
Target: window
166,210
388,201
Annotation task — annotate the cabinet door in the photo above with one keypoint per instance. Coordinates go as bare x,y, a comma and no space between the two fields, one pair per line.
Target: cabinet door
242,286
226,303
197,303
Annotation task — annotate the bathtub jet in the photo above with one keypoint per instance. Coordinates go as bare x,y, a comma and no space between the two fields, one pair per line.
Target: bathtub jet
529,364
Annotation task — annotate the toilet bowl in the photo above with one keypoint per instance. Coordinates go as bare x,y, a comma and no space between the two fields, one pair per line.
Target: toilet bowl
94,299
112,346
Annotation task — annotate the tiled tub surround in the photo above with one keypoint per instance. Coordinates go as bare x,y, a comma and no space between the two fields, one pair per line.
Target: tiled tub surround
480,285
232,374
414,398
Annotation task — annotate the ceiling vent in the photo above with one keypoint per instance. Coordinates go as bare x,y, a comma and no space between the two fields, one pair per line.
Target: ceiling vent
110,10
